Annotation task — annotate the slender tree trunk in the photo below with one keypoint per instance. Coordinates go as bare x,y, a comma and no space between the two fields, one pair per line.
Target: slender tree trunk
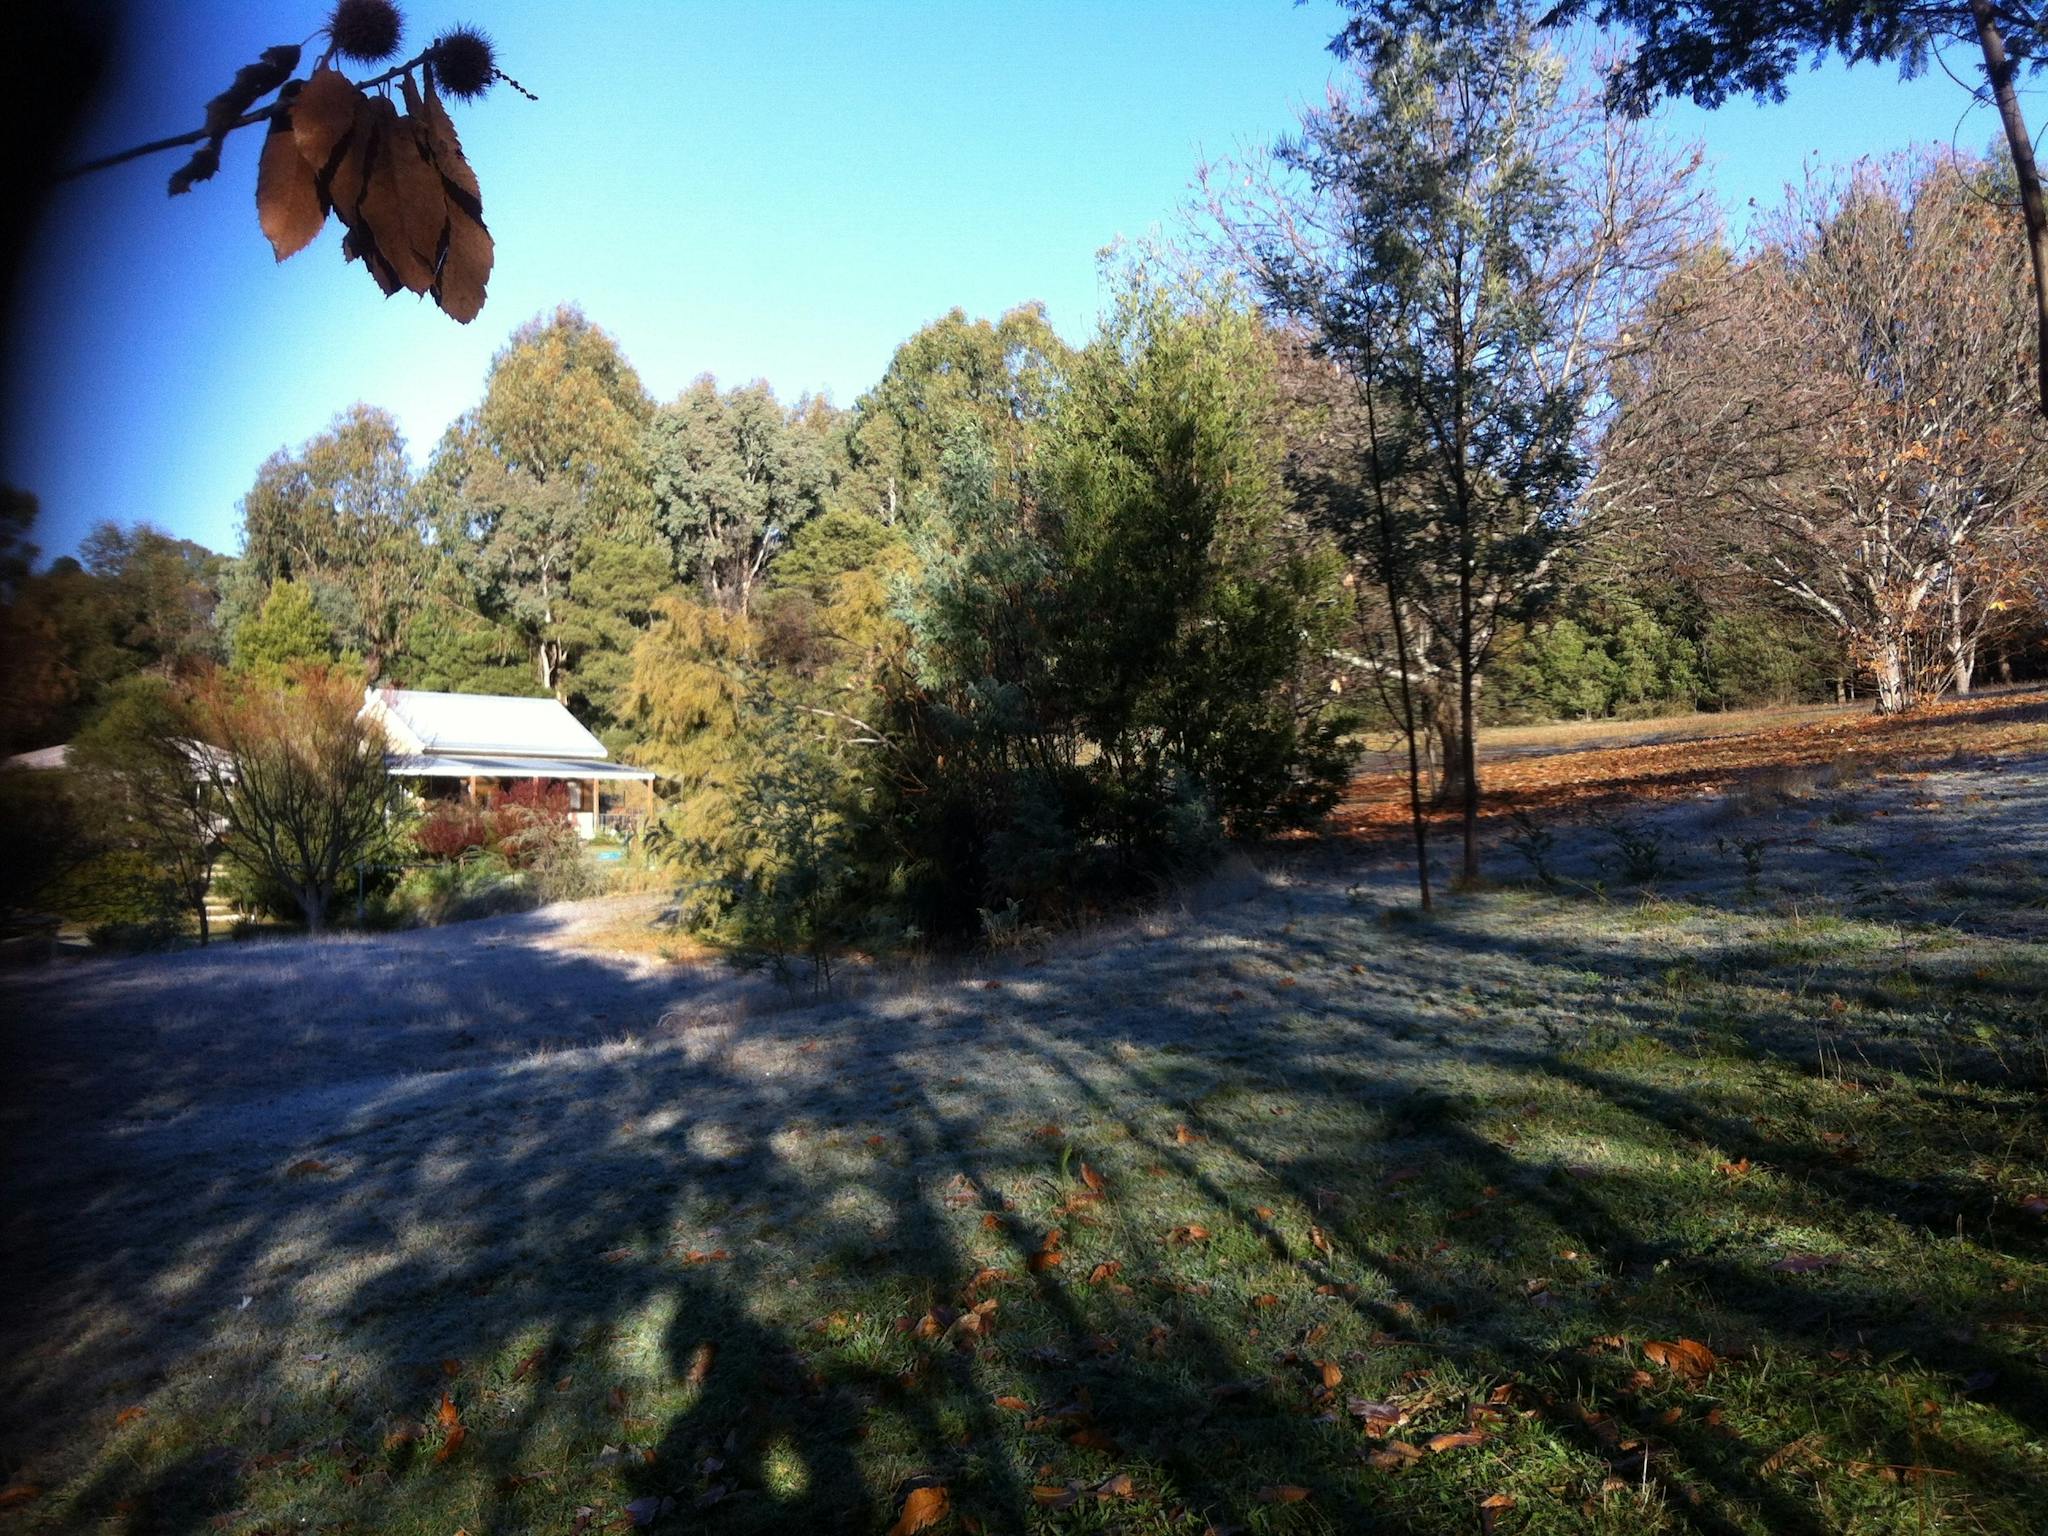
199,906
1450,743
1894,684
1962,650
1998,70
1468,715
313,903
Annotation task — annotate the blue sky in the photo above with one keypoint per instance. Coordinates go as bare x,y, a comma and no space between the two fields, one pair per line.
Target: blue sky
774,190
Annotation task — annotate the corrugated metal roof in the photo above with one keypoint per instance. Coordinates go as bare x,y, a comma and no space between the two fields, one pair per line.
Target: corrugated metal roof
41,758
487,723
468,766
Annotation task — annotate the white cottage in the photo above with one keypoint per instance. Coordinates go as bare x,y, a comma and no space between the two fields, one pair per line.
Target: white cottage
476,745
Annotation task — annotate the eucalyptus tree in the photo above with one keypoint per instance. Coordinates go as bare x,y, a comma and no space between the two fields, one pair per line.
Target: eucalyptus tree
997,377
734,474
341,517
551,459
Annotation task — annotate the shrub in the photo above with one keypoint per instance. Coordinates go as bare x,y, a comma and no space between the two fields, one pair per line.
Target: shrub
451,828
532,823
461,890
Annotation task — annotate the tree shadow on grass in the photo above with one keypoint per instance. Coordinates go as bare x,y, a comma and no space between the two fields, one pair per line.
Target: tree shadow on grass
550,1242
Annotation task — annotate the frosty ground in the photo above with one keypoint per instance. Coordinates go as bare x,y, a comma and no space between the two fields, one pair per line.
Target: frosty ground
496,1228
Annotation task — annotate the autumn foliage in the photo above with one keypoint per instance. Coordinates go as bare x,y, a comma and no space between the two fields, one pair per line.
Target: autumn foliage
410,205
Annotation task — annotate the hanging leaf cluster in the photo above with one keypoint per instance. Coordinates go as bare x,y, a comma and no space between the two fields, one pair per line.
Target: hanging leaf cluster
397,182
409,203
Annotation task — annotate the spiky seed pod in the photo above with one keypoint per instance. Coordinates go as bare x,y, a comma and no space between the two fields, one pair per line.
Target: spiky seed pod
366,30
464,64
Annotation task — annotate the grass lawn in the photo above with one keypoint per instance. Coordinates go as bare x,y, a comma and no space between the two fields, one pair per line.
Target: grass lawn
1714,1202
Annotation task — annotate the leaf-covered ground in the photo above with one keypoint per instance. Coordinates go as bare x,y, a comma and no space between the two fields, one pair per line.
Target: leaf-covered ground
1713,1198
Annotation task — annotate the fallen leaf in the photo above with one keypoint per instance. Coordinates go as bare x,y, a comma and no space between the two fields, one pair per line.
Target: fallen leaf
452,1444
1048,1254
448,1414
1282,1493
1093,1180
1121,1486
1191,1233
15,1494
1320,1239
1491,1508
1266,1300
1014,1404
1183,1136
2035,1205
1091,1439
1687,1358
1736,1170
130,1414
922,1507
1054,1496
1105,1272
307,1165
1331,1372
701,1361
1454,1440
1377,1417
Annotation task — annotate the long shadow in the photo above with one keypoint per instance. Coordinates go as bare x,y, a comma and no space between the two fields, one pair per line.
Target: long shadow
455,1191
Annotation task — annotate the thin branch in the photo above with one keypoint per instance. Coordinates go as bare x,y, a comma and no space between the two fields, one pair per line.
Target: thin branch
246,120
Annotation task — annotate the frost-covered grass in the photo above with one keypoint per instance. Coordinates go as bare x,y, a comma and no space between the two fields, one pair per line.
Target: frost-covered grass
1365,1180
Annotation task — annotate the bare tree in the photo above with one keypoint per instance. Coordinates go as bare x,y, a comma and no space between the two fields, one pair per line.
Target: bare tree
1850,419
300,778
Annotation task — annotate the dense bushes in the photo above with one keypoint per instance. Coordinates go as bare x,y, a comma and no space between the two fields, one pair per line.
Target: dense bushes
517,852
1064,676
1602,653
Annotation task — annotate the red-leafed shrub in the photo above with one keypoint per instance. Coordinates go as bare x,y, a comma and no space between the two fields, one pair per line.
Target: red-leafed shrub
451,828
533,822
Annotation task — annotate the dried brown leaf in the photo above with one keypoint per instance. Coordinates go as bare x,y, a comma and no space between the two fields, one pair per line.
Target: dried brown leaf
1685,1358
922,1507
1454,1440
289,206
702,1358
1393,1455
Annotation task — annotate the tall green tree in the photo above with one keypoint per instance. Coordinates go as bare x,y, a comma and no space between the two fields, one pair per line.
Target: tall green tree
615,596
734,475
339,516
553,457
1471,246
1202,618
995,376
288,630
